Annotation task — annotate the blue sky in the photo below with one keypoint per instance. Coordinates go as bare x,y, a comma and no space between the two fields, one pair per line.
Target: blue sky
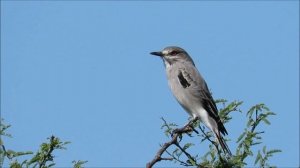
81,70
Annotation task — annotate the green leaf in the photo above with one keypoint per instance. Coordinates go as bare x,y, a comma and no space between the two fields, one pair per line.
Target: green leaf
264,149
274,151
220,101
270,113
3,128
258,157
251,111
51,165
78,164
241,136
265,107
187,145
250,122
24,153
15,164
266,121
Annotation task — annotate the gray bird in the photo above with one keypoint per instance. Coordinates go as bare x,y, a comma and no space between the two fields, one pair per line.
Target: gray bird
191,91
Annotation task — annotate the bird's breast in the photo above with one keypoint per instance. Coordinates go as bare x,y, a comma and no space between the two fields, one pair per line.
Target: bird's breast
183,94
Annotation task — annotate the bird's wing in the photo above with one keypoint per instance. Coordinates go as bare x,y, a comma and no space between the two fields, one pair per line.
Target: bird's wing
191,79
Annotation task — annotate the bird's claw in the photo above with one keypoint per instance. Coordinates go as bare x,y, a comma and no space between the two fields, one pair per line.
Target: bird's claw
175,131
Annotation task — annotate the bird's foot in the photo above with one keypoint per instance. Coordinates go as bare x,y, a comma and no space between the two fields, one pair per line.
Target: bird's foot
176,131
187,128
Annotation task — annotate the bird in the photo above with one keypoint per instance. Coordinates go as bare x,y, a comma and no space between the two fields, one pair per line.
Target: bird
191,91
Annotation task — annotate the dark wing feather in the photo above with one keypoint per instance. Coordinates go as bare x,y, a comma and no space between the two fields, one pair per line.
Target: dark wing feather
183,81
210,106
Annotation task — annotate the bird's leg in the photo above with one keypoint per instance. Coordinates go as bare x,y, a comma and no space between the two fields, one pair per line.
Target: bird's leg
186,128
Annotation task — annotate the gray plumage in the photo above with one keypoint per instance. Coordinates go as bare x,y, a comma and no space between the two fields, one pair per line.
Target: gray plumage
191,91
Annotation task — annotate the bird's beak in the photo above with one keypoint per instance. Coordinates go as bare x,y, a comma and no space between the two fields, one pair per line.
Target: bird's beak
157,54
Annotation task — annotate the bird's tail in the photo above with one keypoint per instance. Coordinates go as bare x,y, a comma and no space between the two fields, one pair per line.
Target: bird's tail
223,144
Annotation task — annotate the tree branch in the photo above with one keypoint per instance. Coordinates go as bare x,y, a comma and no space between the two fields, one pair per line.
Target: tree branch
177,133
173,157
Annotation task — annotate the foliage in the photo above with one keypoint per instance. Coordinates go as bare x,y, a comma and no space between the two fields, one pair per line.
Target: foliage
43,158
256,116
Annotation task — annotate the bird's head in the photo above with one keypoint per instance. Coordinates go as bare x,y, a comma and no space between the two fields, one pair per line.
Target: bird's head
173,54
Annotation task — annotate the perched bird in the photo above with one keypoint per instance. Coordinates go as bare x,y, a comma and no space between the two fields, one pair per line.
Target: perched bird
191,91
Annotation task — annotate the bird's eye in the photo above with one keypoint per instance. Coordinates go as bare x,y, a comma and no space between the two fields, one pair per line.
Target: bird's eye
174,53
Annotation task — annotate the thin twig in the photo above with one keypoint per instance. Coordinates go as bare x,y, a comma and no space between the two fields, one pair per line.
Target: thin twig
257,120
173,157
207,137
175,135
184,151
213,142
